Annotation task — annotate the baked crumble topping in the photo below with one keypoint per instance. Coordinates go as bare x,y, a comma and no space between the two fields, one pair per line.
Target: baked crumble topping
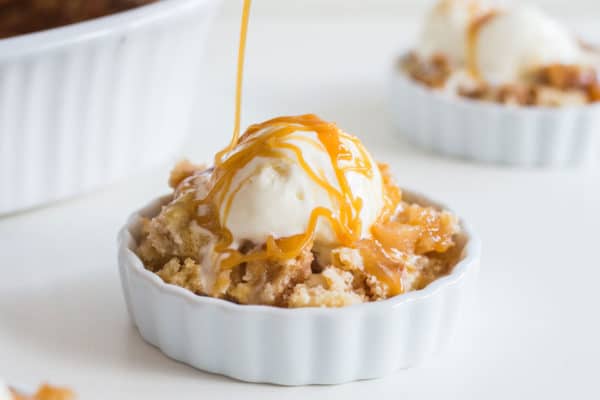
552,85
423,240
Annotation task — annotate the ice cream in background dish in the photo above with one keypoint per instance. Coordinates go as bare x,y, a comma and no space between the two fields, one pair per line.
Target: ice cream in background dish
296,213
513,55
445,26
510,44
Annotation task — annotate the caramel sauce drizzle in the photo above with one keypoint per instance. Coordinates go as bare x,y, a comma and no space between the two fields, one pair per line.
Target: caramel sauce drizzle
239,79
472,37
274,142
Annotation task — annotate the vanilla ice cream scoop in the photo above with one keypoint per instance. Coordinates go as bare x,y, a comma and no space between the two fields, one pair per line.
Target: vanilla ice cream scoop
516,41
286,171
446,28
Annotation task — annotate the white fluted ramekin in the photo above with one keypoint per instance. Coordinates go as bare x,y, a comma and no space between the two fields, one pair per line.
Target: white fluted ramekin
493,133
293,346
87,104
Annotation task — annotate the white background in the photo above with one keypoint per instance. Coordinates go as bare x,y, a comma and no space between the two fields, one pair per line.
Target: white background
532,333
391,8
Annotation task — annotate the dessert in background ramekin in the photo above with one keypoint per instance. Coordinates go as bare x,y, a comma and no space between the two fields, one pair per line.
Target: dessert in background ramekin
510,86
296,214
84,105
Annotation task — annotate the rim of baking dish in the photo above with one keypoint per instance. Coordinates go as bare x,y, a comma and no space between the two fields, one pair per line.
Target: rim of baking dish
112,24
478,105
471,251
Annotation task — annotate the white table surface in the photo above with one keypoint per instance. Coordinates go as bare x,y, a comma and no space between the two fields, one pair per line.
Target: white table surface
533,331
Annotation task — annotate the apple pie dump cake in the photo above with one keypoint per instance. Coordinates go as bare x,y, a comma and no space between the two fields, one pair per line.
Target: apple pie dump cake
296,214
516,56
18,17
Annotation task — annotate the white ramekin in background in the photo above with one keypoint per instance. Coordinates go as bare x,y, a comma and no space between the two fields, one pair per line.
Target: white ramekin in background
87,104
493,133
293,346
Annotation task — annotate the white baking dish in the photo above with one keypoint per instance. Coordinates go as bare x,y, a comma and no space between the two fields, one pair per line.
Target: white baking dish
293,346
87,104
493,133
